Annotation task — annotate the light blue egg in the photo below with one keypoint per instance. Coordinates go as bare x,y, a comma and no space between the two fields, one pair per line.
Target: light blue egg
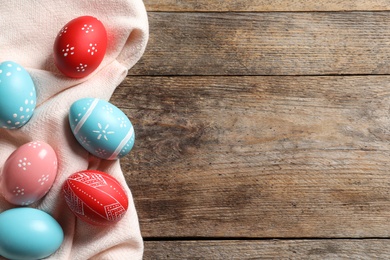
101,128
28,233
17,95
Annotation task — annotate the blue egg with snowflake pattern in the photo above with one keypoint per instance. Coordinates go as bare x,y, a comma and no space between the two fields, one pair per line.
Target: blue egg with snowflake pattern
101,128
17,95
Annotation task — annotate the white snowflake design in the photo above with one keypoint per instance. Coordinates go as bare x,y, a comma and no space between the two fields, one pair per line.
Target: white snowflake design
18,191
44,178
92,48
102,132
81,67
68,50
23,163
87,28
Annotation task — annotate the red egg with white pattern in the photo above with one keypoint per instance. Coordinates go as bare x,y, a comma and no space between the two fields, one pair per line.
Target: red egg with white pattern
28,173
95,197
80,46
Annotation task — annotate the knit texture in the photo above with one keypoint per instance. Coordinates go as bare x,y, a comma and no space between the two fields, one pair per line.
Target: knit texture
28,30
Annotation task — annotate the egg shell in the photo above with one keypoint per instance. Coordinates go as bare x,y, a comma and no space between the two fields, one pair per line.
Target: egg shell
95,197
101,128
80,46
17,95
28,233
28,173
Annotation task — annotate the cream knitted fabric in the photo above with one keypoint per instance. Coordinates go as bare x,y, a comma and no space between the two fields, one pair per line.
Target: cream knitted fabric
28,30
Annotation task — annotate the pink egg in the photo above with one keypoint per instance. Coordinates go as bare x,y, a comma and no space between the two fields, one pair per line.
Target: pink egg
28,173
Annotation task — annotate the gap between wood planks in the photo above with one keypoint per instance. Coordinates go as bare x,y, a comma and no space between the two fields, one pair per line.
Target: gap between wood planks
264,5
152,239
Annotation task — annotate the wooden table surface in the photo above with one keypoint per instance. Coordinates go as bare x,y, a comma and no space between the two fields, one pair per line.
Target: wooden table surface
263,129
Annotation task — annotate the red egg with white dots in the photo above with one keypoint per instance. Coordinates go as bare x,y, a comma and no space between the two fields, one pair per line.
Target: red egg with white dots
80,46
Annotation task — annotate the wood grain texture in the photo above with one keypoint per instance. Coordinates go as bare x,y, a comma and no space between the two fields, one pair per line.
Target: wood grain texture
269,249
314,43
262,119
265,5
259,156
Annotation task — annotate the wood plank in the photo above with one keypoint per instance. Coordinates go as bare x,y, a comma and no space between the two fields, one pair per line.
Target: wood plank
259,156
265,5
267,44
269,249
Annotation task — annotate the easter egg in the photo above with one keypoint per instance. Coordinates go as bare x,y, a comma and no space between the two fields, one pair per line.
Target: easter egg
28,173
28,233
17,95
80,46
95,197
101,128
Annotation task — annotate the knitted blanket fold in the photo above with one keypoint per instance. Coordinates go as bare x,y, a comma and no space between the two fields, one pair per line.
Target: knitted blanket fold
28,30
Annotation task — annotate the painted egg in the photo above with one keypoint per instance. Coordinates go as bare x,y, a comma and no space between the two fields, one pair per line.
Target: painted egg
17,95
95,197
101,128
28,173
27,233
80,46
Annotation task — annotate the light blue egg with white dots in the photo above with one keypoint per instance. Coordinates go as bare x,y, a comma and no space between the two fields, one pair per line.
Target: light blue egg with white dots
101,128
17,95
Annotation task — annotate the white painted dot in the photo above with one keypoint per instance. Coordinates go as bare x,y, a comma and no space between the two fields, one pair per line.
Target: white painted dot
26,102
8,74
21,109
18,69
31,94
17,123
9,122
27,110
21,117
1,71
9,65
15,115
32,102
